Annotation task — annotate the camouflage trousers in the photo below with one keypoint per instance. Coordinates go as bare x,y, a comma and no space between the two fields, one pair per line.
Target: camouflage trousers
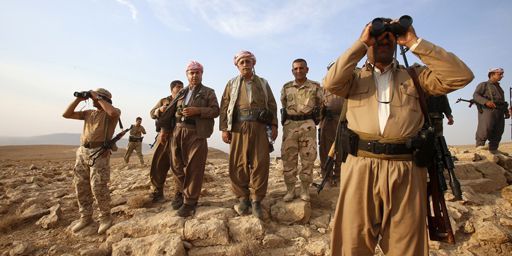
137,146
299,139
91,182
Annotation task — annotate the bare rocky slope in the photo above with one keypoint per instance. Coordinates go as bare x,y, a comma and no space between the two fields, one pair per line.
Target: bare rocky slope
38,207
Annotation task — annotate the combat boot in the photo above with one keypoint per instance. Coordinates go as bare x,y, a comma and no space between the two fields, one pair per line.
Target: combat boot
105,224
290,192
84,222
187,210
177,201
304,191
157,197
242,208
257,211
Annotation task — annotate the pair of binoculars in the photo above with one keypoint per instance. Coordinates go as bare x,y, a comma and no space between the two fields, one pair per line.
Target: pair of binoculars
84,94
381,25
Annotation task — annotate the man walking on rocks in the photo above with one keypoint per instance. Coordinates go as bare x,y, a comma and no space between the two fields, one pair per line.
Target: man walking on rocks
493,111
248,111
383,191
196,108
161,162
301,100
91,176
135,141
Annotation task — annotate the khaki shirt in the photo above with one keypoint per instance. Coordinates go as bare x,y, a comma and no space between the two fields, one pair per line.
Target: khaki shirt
95,124
301,99
242,102
443,73
137,131
155,111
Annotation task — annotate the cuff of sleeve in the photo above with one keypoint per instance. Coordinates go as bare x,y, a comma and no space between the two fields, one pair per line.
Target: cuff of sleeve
413,46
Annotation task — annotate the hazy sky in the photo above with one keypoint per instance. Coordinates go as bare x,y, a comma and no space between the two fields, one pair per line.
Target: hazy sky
49,49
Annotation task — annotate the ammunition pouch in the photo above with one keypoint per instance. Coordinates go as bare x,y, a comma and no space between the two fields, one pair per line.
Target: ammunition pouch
284,116
265,116
349,142
423,147
135,139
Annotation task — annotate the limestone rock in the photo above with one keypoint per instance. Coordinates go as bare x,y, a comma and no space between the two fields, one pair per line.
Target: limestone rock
321,221
209,212
466,171
506,193
273,241
159,244
20,248
296,211
206,232
489,232
50,220
317,247
220,250
145,224
246,228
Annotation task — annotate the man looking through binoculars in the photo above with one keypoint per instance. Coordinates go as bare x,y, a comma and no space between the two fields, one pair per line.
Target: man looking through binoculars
382,190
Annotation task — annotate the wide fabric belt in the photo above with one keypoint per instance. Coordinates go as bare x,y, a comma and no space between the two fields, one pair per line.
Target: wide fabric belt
92,144
134,139
376,147
187,121
248,114
300,117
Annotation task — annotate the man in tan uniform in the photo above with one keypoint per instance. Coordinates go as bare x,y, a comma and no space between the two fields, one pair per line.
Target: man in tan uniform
196,108
91,181
301,100
135,141
382,191
248,109
161,161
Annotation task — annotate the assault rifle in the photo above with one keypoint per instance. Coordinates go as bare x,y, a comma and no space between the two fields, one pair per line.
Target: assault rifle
438,221
106,146
500,105
335,152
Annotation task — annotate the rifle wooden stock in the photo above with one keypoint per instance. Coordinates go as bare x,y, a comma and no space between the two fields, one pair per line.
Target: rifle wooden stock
439,227
327,168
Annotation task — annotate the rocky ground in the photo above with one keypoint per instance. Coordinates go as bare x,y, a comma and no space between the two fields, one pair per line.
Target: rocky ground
38,207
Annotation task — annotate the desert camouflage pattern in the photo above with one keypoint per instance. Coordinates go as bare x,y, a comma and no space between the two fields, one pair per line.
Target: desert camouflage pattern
299,137
91,183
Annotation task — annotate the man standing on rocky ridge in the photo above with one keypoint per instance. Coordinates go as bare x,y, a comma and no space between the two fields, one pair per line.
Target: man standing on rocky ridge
135,141
383,191
91,181
248,111
493,111
196,107
161,162
301,100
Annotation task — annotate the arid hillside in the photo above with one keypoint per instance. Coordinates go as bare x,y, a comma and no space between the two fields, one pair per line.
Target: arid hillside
38,207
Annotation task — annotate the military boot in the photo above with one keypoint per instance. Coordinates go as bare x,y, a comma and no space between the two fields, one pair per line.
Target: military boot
177,201
242,208
105,224
304,191
84,222
290,192
257,211
187,210
157,196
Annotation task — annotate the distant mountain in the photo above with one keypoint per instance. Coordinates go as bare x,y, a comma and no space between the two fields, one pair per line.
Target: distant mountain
60,139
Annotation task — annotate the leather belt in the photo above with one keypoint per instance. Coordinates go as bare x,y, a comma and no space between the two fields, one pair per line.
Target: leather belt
376,147
247,114
300,117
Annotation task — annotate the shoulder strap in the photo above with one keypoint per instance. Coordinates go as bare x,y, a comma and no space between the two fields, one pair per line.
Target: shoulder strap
421,94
